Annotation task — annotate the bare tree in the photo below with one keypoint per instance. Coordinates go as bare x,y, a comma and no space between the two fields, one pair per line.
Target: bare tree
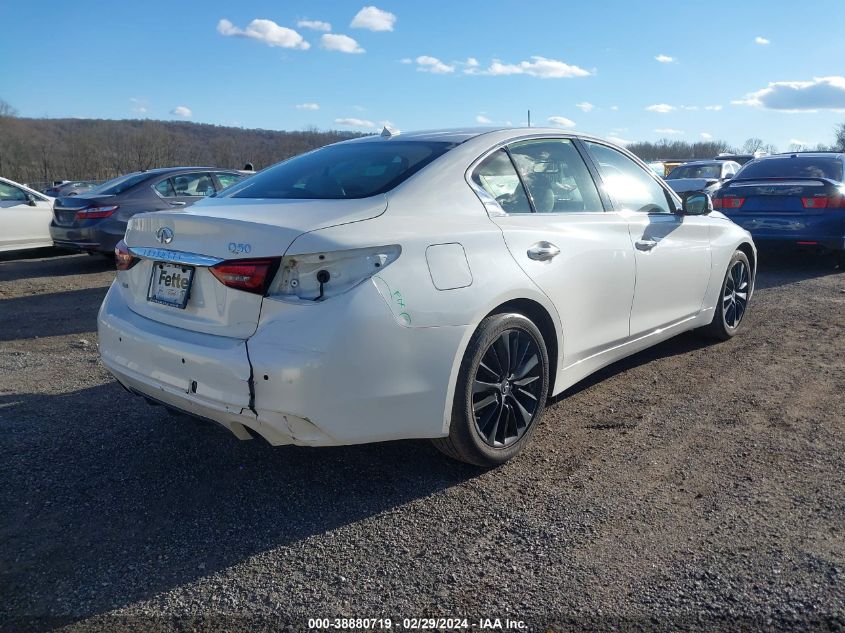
839,142
6,109
752,145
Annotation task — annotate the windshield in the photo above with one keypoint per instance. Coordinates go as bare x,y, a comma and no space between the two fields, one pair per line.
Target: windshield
118,185
341,171
696,171
797,167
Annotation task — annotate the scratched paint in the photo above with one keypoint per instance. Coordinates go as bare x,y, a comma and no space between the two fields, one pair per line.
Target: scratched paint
395,299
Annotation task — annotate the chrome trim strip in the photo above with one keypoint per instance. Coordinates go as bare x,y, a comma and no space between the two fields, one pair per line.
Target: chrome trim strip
177,257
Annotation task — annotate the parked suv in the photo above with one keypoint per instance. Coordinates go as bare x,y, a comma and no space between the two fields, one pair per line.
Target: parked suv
96,221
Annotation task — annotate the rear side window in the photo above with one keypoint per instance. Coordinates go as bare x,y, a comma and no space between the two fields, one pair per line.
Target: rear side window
342,171
192,185
629,185
556,176
227,178
497,176
798,167
696,171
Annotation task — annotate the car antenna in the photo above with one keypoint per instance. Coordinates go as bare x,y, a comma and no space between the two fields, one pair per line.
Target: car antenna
387,132
529,118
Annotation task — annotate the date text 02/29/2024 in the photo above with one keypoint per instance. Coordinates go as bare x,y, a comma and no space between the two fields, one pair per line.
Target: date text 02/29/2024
416,624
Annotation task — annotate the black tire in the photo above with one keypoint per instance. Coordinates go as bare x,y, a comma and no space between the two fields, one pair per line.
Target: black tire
522,391
731,307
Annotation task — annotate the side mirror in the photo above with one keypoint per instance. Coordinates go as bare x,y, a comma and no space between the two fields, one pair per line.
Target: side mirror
727,178
30,200
697,203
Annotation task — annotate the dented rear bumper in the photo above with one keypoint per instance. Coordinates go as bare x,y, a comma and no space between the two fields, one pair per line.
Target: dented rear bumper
341,372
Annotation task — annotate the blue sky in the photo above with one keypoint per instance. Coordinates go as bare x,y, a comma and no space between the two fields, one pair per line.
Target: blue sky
730,70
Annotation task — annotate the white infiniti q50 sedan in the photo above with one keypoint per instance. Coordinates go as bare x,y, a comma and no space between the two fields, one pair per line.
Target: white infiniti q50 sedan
433,285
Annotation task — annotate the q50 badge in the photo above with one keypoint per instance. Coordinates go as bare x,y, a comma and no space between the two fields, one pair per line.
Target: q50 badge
236,248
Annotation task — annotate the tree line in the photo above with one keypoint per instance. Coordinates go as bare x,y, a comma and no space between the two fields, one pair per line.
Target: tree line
43,150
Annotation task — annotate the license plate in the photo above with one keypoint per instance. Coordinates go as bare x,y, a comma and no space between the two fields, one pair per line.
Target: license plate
170,284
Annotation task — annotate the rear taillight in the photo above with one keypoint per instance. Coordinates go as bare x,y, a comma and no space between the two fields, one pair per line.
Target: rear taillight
249,275
728,203
824,202
123,258
96,212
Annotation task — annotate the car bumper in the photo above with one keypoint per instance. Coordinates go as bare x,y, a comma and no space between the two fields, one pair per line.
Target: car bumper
99,237
824,230
340,372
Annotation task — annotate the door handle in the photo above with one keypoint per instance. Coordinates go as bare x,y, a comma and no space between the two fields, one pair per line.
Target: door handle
645,245
176,203
543,251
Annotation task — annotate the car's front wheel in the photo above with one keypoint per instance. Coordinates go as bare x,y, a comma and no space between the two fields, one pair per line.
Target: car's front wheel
733,300
501,392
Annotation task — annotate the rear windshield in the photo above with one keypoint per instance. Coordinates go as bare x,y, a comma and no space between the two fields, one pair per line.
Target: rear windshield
788,167
345,170
118,185
696,171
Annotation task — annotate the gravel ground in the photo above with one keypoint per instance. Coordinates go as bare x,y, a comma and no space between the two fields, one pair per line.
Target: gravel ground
692,486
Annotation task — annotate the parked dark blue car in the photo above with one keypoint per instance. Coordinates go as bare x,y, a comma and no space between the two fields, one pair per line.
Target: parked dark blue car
789,200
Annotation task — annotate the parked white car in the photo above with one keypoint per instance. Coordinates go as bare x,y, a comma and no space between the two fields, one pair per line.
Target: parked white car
25,217
430,285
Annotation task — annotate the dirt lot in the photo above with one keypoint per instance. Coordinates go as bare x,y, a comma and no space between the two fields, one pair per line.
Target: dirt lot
694,485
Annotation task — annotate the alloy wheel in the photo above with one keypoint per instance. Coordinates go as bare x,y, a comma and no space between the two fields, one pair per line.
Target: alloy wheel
506,388
735,297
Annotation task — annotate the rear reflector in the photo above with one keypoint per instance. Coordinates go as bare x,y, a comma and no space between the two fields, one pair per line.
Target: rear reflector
96,212
249,275
728,203
807,243
123,259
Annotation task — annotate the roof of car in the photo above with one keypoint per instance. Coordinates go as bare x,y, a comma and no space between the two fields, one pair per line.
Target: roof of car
804,155
460,135
710,161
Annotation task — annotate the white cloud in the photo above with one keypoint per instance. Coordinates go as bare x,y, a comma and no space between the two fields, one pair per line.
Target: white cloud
139,106
265,31
762,41
340,43
182,111
614,108
668,130
314,25
308,106
539,67
822,93
690,108
373,19
471,66
429,64
795,141
714,108
664,59
661,108
406,60
483,120
706,136
584,106
561,121
352,122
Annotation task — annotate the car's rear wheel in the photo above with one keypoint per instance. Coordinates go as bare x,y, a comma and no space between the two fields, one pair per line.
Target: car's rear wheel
733,299
501,392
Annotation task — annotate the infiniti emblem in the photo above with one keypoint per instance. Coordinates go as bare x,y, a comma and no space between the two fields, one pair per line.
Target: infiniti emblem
164,235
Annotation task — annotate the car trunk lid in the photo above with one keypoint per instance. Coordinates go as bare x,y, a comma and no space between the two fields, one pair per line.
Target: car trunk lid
66,208
216,231
774,196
